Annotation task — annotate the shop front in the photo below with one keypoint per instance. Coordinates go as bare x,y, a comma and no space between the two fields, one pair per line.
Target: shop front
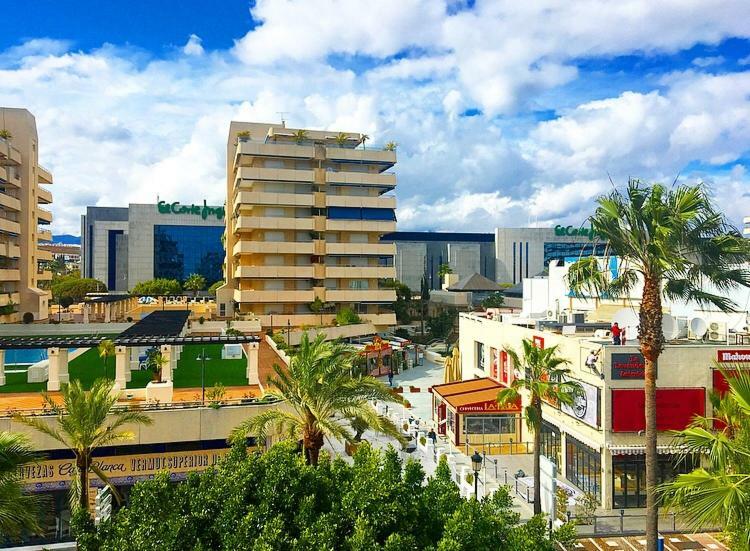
467,413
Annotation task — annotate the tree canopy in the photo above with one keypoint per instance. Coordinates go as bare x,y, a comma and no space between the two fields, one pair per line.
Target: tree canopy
275,501
158,286
195,282
69,289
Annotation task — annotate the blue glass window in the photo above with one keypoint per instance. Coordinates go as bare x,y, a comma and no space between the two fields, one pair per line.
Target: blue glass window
356,213
561,251
183,250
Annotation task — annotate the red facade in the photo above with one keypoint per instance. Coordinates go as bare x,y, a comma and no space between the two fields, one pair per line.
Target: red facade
675,408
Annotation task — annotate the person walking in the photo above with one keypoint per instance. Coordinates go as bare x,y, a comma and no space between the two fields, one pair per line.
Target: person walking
616,332
432,436
390,377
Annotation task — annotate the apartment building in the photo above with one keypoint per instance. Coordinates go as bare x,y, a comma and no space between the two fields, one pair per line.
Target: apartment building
305,213
23,221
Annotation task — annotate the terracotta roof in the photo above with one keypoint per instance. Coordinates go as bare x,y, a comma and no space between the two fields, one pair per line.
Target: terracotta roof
470,385
462,395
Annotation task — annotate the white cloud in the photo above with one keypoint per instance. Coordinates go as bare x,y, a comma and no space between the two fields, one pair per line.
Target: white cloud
709,61
118,127
194,46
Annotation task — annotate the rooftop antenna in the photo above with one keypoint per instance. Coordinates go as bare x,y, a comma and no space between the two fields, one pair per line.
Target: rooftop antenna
281,115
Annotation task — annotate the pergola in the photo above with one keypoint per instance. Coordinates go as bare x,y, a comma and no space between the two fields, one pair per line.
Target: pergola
166,329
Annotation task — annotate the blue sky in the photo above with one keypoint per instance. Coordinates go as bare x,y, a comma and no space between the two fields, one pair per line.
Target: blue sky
505,114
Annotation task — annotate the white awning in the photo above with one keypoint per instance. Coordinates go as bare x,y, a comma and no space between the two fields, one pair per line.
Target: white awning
640,449
581,438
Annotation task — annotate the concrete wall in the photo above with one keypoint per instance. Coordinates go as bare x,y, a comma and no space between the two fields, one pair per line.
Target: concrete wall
64,329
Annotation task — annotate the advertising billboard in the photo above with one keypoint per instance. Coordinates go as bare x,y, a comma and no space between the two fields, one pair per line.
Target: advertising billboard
675,408
628,366
586,405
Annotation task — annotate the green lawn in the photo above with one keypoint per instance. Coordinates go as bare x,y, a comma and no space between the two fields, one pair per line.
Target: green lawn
226,372
88,367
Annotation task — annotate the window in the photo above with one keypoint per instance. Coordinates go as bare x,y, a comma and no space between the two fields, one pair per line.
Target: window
583,466
561,251
629,477
356,213
274,212
481,360
273,163
183,250
273,284
551,443
359,284
274,236
222,309
273,260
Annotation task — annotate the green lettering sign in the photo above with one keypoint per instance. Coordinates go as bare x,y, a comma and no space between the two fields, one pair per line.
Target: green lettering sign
572,231
204,211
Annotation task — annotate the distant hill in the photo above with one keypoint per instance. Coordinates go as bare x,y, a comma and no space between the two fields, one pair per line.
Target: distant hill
67,239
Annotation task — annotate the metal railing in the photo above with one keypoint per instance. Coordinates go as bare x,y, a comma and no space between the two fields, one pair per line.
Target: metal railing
628,524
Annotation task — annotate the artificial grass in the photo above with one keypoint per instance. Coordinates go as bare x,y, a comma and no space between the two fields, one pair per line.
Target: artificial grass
89,367
226,372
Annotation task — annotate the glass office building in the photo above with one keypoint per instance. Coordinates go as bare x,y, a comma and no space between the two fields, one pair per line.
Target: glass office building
123,246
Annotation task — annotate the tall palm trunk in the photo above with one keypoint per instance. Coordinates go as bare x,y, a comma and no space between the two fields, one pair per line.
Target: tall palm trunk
313,442
537,455
652,342
82,463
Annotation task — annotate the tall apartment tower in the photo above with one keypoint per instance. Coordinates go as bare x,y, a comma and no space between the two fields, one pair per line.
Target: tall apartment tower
305,212
23,221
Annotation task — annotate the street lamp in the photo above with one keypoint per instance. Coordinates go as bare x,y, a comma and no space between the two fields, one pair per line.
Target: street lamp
288,332
203,359
476,465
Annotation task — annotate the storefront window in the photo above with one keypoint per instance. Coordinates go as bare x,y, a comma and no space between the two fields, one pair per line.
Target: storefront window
629,476
583,466
490,429
551,443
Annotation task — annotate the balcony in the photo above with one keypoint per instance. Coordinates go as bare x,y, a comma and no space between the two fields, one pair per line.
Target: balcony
10,250
44,275
44,235
386,318
44,196
278,297
44,214
272,247
281,199
360,295
250,223
10,226
45,176
288,272
360,272
361,178
382,202
10,203
361,249
10,274
9,155
274,174
8,298
252,149
375,156
41,254
379,226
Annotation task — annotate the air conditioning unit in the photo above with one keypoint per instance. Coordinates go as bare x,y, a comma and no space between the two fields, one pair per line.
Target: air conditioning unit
717,331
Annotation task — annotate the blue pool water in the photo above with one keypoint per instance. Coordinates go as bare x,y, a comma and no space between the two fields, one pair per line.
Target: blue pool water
23,357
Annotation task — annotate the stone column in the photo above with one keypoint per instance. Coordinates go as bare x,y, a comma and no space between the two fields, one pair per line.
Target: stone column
606,496
2,367
166,370
58,368
251,352
108,312
122,367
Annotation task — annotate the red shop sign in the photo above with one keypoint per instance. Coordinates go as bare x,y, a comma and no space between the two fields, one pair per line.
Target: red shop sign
675,408
490,406
733,355
538,341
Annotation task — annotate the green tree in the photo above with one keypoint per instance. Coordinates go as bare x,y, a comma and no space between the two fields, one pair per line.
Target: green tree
443,270
675,243
85,422
347,316
71,288
158,286
495,300
441,325
19,512
402,306
717,493
106,350
424,300
544,378
321,393
195,283
214,287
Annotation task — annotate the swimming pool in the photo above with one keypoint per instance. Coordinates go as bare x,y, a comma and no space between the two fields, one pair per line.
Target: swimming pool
26,356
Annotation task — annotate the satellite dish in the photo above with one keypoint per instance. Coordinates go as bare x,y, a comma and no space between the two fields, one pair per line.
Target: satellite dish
628,320
698,327
669,327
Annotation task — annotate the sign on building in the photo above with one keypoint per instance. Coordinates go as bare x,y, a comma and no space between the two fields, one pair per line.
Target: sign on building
733,356
628,366
586,405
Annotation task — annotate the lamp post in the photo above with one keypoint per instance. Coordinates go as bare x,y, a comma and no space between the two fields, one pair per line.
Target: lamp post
288,332
203,359
476,465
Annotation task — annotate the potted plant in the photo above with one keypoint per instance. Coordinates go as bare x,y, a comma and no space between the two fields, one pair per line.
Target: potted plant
243,136
5,134
390,146
156,362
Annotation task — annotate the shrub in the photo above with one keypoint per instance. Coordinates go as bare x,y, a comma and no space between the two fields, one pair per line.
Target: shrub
402,332
28,317
201,320
470,478
585,508
214,287
130,319
423,440
347,316
232,332
216,395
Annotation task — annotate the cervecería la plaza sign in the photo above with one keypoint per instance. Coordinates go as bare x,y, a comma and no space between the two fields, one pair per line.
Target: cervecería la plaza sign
572,231
204,211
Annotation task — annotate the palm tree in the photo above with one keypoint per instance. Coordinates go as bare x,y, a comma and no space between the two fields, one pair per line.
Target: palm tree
106,350
300,136
322,396
674,242
364,138
342,138
717,494
390,146
543,379
424,300
195,283
85,422
19,512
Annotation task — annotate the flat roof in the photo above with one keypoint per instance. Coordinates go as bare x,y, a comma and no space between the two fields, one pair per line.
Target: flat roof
158,323
438,236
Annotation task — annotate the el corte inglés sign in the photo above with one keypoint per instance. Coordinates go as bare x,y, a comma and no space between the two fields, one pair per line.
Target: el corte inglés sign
572,231
204,211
